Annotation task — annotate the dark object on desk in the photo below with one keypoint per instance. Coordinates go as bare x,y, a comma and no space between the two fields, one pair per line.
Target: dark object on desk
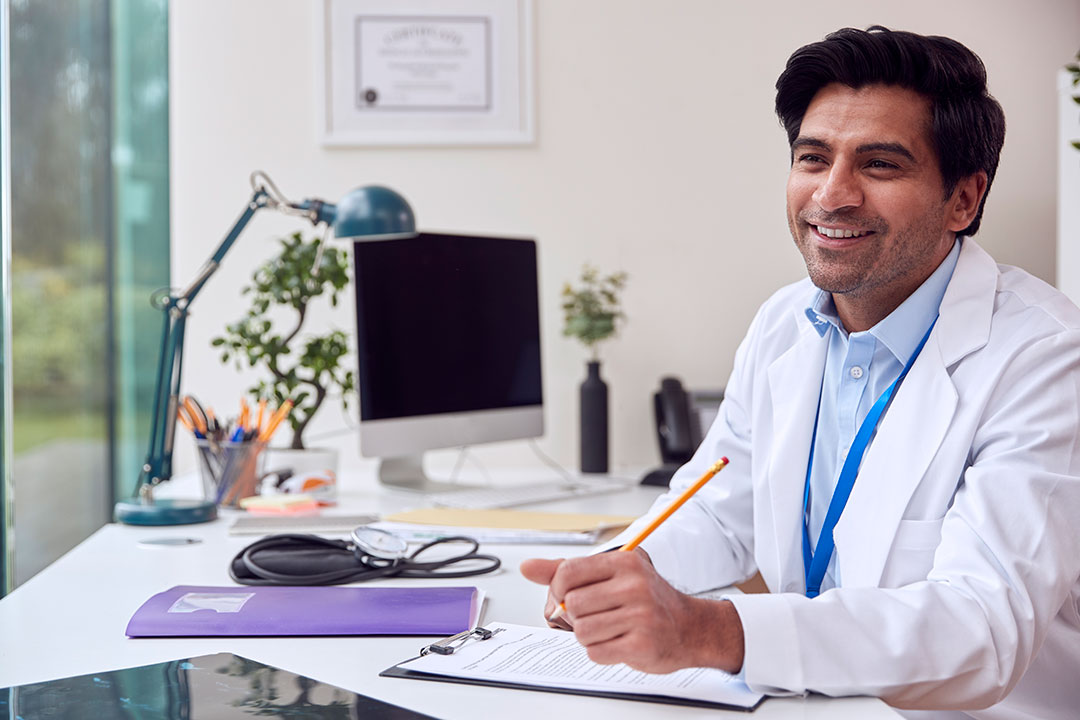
195,611
291,559
594,421
682,419
660,476
201,687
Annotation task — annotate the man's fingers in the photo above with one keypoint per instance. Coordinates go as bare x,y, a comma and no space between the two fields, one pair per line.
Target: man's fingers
540,570
581,571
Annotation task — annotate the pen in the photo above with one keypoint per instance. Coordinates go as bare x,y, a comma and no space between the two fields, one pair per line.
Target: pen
659,519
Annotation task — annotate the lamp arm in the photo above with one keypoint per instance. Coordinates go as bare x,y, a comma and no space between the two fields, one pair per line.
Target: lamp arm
175,305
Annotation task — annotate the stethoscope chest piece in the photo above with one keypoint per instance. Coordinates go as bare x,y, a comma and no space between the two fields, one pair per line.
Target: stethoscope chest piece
379,544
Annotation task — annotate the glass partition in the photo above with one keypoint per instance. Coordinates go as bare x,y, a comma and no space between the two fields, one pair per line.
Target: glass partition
89,243
6,526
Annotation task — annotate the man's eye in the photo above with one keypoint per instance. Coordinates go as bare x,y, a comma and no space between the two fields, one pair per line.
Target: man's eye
881,165
810,158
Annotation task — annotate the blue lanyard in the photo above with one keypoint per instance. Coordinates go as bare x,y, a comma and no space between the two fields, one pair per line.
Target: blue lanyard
816,562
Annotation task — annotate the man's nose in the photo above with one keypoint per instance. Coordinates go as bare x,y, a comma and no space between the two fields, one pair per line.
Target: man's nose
839,189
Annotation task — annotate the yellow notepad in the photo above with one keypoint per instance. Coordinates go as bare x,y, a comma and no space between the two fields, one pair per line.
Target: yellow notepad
512,519
504,526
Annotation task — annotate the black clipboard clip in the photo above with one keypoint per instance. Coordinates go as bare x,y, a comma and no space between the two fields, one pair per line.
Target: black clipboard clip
447,646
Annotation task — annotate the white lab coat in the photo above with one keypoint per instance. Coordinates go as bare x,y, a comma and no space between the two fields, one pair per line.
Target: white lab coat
958,554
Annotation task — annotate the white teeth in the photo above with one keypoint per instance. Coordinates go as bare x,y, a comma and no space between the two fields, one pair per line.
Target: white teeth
837,233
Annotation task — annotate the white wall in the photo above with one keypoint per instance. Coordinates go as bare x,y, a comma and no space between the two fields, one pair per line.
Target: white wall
1068,244
657,152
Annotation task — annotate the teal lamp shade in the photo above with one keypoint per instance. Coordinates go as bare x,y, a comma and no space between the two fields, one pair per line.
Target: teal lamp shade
373,212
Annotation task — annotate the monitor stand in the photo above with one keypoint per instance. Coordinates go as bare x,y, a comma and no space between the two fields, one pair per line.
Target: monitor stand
407,473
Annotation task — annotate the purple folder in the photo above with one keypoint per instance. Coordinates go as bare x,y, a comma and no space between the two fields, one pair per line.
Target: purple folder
187,610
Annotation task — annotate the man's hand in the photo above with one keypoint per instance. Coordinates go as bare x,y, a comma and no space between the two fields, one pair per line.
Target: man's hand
622,611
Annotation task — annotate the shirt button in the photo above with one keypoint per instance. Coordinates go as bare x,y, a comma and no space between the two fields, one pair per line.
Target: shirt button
856,372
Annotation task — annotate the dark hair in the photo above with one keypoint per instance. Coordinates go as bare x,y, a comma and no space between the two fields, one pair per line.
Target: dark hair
967,123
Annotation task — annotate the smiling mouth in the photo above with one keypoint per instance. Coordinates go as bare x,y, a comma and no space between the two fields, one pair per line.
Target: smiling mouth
840,233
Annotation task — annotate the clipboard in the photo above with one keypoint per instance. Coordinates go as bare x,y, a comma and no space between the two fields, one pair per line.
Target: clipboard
742,698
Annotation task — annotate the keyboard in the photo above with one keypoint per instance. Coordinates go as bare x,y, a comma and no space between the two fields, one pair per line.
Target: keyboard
485,498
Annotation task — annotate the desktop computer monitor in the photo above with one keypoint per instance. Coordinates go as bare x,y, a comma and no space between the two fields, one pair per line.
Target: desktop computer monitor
448,348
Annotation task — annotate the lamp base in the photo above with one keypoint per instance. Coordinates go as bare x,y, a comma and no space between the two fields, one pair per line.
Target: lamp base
168,511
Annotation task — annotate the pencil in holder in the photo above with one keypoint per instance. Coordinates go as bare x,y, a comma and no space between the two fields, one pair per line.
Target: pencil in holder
230,470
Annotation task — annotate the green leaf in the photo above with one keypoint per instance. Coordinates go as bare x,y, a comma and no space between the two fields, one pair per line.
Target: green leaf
1076,144
271,337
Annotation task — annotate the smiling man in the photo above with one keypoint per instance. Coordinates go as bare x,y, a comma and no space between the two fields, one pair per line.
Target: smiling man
902,428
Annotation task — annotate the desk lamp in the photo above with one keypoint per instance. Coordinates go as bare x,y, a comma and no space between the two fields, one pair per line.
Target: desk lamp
366,213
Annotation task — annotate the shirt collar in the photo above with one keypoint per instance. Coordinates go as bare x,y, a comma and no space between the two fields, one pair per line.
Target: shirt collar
904,327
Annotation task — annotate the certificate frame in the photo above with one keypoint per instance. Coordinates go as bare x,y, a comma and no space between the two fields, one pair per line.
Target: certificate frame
424,72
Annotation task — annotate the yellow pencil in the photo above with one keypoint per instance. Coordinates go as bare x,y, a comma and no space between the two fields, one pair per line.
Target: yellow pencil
275,420
659,519
259,418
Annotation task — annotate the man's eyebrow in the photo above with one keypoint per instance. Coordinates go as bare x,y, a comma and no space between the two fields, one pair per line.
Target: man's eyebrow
805,141
887,147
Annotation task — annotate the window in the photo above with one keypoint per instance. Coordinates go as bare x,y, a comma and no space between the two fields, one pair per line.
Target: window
88,104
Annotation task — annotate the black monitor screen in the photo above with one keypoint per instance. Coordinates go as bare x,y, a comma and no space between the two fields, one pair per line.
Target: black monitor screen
446,323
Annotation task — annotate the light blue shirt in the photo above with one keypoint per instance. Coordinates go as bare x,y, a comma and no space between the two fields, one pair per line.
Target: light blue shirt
858,369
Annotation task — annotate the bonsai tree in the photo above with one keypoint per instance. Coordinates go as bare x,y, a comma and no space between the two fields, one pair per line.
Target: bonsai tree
305,368
592,310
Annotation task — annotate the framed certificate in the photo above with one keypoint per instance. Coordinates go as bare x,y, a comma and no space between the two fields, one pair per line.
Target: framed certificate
425,72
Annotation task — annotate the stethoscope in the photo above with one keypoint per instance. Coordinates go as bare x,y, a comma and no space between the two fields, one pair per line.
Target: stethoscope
370,553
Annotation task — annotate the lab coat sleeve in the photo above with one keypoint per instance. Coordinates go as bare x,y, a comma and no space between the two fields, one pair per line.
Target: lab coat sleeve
711,544
1008,556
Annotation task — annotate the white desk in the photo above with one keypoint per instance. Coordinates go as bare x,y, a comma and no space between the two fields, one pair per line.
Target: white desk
70,619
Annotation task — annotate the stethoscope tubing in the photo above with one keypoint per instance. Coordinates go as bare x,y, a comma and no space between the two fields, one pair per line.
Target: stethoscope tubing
369,568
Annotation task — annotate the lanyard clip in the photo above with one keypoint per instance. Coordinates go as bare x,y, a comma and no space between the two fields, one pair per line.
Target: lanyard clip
447,646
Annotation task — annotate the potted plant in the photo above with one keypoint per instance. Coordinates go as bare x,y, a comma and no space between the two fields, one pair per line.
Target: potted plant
592,314
303,367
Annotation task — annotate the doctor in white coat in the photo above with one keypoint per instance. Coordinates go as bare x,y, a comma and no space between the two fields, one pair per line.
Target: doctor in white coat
907,417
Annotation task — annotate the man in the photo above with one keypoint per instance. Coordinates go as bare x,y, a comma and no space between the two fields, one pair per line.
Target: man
946,385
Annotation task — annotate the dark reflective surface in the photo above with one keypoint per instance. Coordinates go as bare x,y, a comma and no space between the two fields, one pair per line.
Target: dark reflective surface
218,686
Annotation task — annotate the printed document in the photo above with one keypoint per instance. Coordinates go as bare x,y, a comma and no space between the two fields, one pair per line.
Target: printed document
546,657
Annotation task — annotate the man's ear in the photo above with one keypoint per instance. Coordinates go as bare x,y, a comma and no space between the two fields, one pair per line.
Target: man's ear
962,206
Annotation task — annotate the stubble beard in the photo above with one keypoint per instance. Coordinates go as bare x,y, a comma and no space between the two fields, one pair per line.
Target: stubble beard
849,271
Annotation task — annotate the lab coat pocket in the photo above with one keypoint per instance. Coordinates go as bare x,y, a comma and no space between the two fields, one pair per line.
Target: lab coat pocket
912,553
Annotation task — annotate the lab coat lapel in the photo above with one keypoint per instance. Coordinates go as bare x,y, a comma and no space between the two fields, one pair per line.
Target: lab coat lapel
794,387
905,443
916,423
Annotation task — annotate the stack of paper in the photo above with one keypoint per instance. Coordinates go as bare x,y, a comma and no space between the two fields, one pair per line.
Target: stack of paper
503,526
547,659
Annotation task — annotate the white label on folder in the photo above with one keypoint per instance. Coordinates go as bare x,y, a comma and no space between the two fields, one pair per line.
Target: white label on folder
218,602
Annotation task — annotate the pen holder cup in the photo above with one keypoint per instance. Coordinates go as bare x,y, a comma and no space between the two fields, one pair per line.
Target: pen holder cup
231,471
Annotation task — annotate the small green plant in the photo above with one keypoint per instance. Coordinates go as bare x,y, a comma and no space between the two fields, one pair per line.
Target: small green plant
305,368
592,310
1074,70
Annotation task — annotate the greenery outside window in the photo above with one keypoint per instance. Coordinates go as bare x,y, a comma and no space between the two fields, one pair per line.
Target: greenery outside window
89,245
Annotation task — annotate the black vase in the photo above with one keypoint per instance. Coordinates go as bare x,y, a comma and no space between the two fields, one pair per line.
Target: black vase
594,422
